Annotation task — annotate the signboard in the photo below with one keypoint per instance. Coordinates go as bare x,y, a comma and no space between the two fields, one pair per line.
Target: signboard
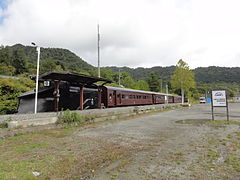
219,98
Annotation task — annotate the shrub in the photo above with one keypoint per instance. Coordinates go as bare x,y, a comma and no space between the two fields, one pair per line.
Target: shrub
68,117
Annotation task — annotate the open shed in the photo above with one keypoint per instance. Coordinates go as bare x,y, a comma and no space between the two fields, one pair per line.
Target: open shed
70,87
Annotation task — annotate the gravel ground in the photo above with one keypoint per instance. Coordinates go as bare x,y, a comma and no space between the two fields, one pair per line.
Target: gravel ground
177,144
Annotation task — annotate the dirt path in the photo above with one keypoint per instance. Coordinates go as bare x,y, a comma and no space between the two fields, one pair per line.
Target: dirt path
173,145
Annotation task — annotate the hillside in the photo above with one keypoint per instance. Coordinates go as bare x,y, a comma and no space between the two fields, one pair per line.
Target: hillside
18,59
212,74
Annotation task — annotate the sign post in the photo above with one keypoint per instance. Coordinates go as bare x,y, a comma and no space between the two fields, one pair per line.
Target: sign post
219,99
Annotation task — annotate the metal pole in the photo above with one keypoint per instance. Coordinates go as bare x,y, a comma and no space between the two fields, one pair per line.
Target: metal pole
161,85
119,77
36,91
98,52
212,106
227,107
167,92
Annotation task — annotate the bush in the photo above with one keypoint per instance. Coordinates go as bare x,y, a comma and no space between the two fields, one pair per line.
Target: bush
10,89
68,117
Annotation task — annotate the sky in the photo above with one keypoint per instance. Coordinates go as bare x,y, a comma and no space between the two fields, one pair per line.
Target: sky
134,33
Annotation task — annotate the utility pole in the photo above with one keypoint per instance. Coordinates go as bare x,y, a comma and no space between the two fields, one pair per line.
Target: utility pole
167,92
161,85
119,78
182,92
98,50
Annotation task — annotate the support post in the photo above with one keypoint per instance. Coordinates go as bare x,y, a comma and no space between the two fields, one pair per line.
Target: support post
227,107
99,98
81,97
56,95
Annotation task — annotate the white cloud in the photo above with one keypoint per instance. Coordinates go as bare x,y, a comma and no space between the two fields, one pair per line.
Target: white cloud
133,33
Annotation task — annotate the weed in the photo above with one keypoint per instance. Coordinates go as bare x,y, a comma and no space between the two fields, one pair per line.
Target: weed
114,176
178,154
4,124
212,154
229,136
234,162
68,117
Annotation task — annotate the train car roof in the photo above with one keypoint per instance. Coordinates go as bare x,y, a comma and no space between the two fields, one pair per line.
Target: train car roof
135,90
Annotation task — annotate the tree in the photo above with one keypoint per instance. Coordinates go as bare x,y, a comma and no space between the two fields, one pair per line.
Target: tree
183,78
153,81
142,85
10,89
19,61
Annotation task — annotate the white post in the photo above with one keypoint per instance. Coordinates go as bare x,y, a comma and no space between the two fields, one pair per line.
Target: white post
36,91
98,51
167,92
182,92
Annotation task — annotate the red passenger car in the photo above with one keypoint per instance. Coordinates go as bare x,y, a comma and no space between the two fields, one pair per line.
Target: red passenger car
112,96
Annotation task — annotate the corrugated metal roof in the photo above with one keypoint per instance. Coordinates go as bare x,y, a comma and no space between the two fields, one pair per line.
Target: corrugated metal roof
134,90
72,77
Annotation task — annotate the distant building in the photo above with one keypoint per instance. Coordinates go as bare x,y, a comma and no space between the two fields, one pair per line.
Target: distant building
236,98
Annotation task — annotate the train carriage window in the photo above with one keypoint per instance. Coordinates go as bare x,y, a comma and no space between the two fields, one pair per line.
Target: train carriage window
119,95
123,96
134,97
110,96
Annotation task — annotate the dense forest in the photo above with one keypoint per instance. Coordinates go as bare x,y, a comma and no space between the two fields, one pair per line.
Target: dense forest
19,60
212,74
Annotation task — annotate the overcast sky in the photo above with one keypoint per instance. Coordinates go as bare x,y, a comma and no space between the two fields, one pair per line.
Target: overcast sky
134,33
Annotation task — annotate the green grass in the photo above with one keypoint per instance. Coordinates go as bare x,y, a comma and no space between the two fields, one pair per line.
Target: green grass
220,123
23,154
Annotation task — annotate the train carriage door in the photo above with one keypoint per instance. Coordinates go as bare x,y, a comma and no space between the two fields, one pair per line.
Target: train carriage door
153,99
114,98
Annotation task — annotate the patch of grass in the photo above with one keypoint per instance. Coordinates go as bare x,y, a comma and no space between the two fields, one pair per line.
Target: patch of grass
221,123
212,154
234,162
73,118
177,157
4,124
178,153
69,117
230,136
237,133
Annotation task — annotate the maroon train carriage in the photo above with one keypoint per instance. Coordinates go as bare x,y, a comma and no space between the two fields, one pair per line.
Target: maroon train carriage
159,98
177,99
113,96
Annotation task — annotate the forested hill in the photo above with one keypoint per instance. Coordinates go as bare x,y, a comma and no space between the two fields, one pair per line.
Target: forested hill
19,59
212,74
142,73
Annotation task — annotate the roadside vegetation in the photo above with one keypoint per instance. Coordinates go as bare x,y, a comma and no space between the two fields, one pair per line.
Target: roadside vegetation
10,89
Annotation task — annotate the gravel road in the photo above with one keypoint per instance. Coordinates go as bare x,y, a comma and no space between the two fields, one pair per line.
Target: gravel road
176,144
